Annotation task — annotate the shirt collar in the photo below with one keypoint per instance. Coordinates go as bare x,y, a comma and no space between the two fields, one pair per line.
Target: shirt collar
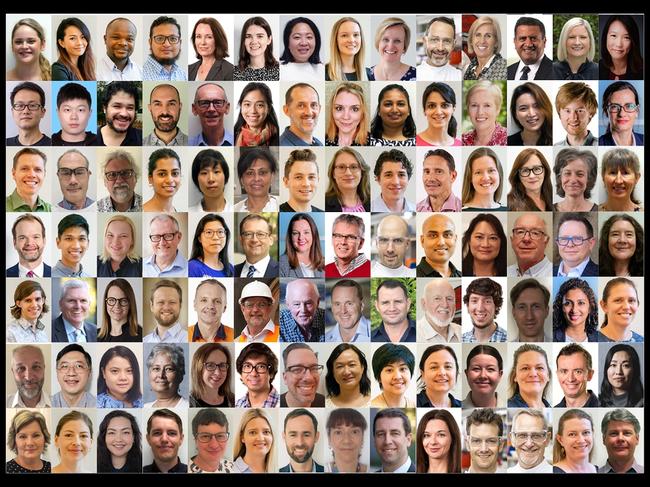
260,265
197,337
70,329
576,271
268,329
39,271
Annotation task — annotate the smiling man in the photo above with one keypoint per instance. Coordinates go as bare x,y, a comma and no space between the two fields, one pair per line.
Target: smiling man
165,304
347,239
73,372
71,325
438,239
576,104
529,239
28,109
302,107
485,439
393,171
574,371
347,309
120,103
620,429
165,107
72,240
393,436
438,174
165,437
300,436
28,368
257,306
73,172
117,64
257,366
394,305
28,234
439,40
302,320
256,237
530,437
211,106
530,40
210,303
301,376
301,179
393,240
28,172
120,178
166,260
439,305
484,298
575,241
165,45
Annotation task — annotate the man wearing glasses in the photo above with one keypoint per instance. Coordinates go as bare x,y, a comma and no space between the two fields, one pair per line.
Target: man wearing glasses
165,260
530,437
392,243
120,103
302,320
301,376
73,172
28,109
347,239
529,239
256,238
165,45
484,440
439,40
575,240
73,371
120,177
257,365
211,106
257,306
210,304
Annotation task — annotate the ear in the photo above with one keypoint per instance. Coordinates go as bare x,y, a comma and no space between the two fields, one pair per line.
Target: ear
285,109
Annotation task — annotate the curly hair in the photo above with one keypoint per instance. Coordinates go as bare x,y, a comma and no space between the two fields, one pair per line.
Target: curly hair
564,157
605,259
559,319
485,286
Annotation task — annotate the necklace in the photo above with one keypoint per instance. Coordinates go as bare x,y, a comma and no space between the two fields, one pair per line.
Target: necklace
388,405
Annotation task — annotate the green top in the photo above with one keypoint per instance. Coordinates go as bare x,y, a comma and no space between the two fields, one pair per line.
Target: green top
15,204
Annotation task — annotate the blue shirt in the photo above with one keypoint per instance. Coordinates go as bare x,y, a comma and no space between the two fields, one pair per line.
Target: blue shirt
517,401
178,268
499,335
106,401
71,331
290,330
361,335
153,70
198,140
196,268
289,138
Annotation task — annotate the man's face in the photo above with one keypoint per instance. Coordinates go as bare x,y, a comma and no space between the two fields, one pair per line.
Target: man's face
120,40
392,241
482,310
530,440
212,116
303,111
28,367
437,177
393,180
438,239
256,248
346,306
484,444
302,300
166,306
29,174
573,374
393,305
73,244
72,372
120,112
163,376
74,186
439,42
26,119
165,108
575,117
529,251
165,53
391,441
29,241
74,115
301,386
164,438
254,380
573,254
621,441
529,43
75,305
529,311
439,303
121,188
257,311
210,303
300,438
347,240
165,250
302,182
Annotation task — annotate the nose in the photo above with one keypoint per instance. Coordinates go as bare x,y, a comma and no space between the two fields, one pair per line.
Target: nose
529,313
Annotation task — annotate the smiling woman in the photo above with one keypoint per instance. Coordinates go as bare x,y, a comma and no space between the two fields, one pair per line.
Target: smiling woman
28,438
119,444
76,60
73,440
254,443
166,367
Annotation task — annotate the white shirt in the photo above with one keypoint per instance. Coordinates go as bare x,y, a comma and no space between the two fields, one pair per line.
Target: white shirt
260,267
107,71
302,72
380,270
271,205
176,334
544,268
426,333
426,72
378,204
402,468
533,69
575,271
15,401
38,271
198,208
543,467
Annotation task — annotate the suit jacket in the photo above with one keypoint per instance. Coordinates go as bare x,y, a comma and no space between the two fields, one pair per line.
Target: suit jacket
590,271
220,71
608,139
287,271
272,270
545,70
13,271
59,335
319,467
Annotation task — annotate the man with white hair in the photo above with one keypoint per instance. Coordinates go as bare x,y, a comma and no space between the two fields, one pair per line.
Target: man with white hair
302,320
530,437
439,305
71,325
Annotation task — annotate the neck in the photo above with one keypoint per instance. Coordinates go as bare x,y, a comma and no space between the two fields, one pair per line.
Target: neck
530,137
441,330
159,203
307,466
395,332
346,465
163,263
29,137
442,268
615,332
393,133
119,63
166,137
345,138
301,135
622,267
437,201
348,333
257,203
491,469
28,71
31,265
208,330
484,334
118,462
214,135
482,201
166,466
69,466
393,400
215,205
122,207
75,266
257,463
349,395
534,338
116,396
622,465
303,257
77,205
163,329
388,70
482,61
438,465
212,260
437,135
574,203
533,401
619,204
483,400
32,463
484,268
31,403
438,399
484,136
257,398
396,205
623,137
577,402
578,139
349,197
394,466
580,465
212,396
72,399
619,66
208,61
345,262
111,137
348,63
292,402
299,206
73,138
255,260
170,401
257,62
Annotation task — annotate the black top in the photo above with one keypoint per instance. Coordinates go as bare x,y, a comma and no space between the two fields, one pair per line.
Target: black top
424,402
285,207
127,268
133,137
425,270
333,204
604,74
13,467
14,142
125,336
90,139
592,402
196,402
318,402
60,72
178,468
587,70
380,334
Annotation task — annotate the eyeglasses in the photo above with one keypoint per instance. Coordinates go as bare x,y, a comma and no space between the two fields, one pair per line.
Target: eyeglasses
168,369
535,436
521,233
342,168
524,172
340,236
114,175
212,366
258,235
77,366
260,304
384,241
162,39
491,442
167,237
64,172
205,104
577,241
206,437
302,369
221,233
259,368
123,302
32,107
616,107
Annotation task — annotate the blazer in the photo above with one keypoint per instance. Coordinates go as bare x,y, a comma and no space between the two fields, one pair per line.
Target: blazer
319,467
590,271
220,71
608,139
59,335
272,270
333,204
287,271
545,70
13,271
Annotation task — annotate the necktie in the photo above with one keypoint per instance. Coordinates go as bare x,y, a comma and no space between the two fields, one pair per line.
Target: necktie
524,72
78,336
30,274
251,271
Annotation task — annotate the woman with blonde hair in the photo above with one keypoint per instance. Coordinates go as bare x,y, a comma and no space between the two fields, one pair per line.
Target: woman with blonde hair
346,52
254,443
576,49
348,119
530,183
211,377
349,183
76,60
484,42
529,378
28,438
392,40
483,103
28,309
120,315
27,44
119,257
574,443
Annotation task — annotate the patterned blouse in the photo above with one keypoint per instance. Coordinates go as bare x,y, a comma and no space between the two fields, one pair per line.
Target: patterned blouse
410,75
225,466
499,137
496,69
261,74
386,142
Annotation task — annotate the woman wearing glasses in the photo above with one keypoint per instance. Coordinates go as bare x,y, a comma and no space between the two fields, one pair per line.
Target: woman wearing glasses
76,60
530,183
211,46
349,183
303,256
575,177
120,315
211,377
209,255
532,112
119,444
119,257
256,169
166,367
621,106
27,311
164,171
210,431
621,171
575,313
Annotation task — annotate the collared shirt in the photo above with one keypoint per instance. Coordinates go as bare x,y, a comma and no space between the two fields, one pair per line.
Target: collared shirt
87,401
381,335
62,270
38,271
108,71
15,401
380,270
427,72
499,335
358,261
106,204
289,138
533,68
607,468
199,140
589,141
21,331
153,70
290,331
592,401
544,268
424,269
66,205
175,334
260,267
426,333
178,268
224,334
403,468
104,400
268,334
15,203
378,204
517,401
452,203
543,467
575,271
271,401
178,468
153,139
362,334
241,466
271,205
75,334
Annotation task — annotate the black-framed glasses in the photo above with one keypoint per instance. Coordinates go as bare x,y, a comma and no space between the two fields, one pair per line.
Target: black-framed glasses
247,367
577,241
212,366
340,236
221,233
617,107
32,107
167,237
114,175
65,172
524,172
205,104
521,233
302,369
161,39
206,437
123,302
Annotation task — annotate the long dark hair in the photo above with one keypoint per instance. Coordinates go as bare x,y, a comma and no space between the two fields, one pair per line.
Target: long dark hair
377,126
634,59
501,260
244,57
197,248
315,253
287,57
333,387
635,392
126,353
544,105
453,460
134,455
605,259
447,94
559,320
132,319
84,69
271,119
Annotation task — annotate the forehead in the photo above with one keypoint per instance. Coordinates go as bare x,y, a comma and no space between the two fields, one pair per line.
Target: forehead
73,356
441,28
304,93
342,226
25,226
30,160
389,424
345,292
28,355
122,97
391,166
121,26
117,164
301,28
530,357
394,293
166,292
576,359
619,425
394,94
75,292
530,221
164,93
162,224
438,223
528,30
573,226
119,226
27,95
623,95
484,429
210,91
256,423
255,224
165,29
254,358
393,226
210,290
343,97
304,166
164,423
301,289
162,358
439,286
75,425
302,422
484,359
347,355
528,421
75,102
531,294
301,354
255,95
72,159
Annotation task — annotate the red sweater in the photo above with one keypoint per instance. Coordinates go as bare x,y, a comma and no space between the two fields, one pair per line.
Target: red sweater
362,271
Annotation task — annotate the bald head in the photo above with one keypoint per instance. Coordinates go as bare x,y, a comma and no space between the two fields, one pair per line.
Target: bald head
438,239
392,241
439,302
302,299
529,247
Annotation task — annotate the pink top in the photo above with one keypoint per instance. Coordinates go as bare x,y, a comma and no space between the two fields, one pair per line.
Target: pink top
353,209
499,136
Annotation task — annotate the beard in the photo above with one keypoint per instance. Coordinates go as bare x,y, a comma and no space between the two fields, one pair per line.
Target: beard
166,322
169,126
439,323
167,61
303,458
30,393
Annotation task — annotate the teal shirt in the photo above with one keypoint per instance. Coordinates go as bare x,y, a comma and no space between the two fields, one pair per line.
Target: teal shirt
15,204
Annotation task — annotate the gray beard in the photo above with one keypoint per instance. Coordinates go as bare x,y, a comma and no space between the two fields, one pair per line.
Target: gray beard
436,321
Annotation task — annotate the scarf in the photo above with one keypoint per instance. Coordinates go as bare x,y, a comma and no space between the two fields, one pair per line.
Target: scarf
248,138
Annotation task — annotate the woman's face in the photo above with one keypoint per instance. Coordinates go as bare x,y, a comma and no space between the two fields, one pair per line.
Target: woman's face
348,370
619,372
301,236
621,305
204,40
438,111
212,246
30,442
395,378
483,110
346,442
485,176
74,42
531,373
347,110
117,312
118,375
529,114
577,439
622,121
533,182
215,379
166,178
618,41
484,243
622,240
26,45
302,42
212,181
257,179
257,437
73,441
483,374
437,439
484,41
118,240
213,450
392,44
575,306
574,177
256,41
348,38
163,375
31,307
394,109
620,182
439,374
254,109
119,436
347,172
577,42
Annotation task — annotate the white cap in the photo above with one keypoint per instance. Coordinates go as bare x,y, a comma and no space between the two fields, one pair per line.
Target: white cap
255,289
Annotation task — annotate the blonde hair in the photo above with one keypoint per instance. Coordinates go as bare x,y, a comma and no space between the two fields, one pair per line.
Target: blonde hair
559,453
393,22
240,447
481,21
528,347
335,66
566,28
361,135
488,86
43,64
131,255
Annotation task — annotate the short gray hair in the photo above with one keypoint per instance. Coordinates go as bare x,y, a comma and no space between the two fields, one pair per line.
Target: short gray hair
351,220
620,415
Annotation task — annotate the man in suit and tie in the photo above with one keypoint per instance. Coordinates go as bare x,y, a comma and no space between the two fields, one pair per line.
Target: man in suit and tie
393,436
28,233
71,324
256,237
575,240
530,40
